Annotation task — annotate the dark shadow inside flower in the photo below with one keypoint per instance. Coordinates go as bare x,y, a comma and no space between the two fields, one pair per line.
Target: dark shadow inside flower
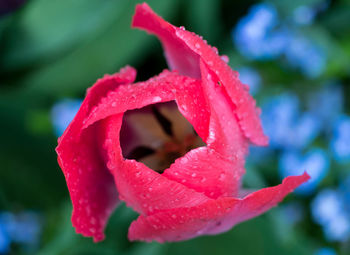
157,135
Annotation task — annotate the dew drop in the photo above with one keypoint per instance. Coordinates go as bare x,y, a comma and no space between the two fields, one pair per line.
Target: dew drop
222,177
157,99
93,220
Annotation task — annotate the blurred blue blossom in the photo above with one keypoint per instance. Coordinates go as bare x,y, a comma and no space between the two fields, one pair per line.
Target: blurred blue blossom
304,15
326,104
305,55
253,35
326,251
344,188
315,162
250,77
62,113
5,240
22,228
328,210
284,124
340,144
261,35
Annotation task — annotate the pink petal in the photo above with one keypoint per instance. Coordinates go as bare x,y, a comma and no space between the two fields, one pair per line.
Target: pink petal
183,50
145,190
224,157
225,136
246,110
178,55
206,171
214,216
165,87
193,105
90,184
134,96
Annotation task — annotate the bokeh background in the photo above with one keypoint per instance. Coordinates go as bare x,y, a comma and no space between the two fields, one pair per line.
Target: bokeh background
294,55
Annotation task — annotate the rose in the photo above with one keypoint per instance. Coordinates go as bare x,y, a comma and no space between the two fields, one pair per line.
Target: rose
198,194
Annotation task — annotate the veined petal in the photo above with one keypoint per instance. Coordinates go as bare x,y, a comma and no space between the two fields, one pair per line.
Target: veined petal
89,182
183,50
212,217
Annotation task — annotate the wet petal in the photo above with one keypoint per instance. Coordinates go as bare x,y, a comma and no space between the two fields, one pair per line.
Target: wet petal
183,50
178,55
225,136
134,96
212,217
90,184
206,171
145,190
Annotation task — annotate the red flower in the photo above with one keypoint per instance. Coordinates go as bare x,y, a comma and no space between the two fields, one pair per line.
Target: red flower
198,194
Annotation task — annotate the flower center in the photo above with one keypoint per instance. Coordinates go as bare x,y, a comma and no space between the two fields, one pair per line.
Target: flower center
157,135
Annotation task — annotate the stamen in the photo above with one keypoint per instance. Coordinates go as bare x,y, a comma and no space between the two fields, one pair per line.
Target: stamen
157,135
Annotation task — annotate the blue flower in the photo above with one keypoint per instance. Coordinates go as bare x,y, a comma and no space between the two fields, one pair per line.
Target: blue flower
331,96
62,113
260,35
305,55
315,162
285,126
344,188
326,251
250,77
340,144
304,15
328,210
253,34
23,228
5,240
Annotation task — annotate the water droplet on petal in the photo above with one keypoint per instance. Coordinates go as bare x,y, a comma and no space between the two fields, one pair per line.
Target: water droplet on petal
222,177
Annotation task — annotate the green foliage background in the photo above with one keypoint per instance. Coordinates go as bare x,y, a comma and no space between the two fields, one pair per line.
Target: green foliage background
55,49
